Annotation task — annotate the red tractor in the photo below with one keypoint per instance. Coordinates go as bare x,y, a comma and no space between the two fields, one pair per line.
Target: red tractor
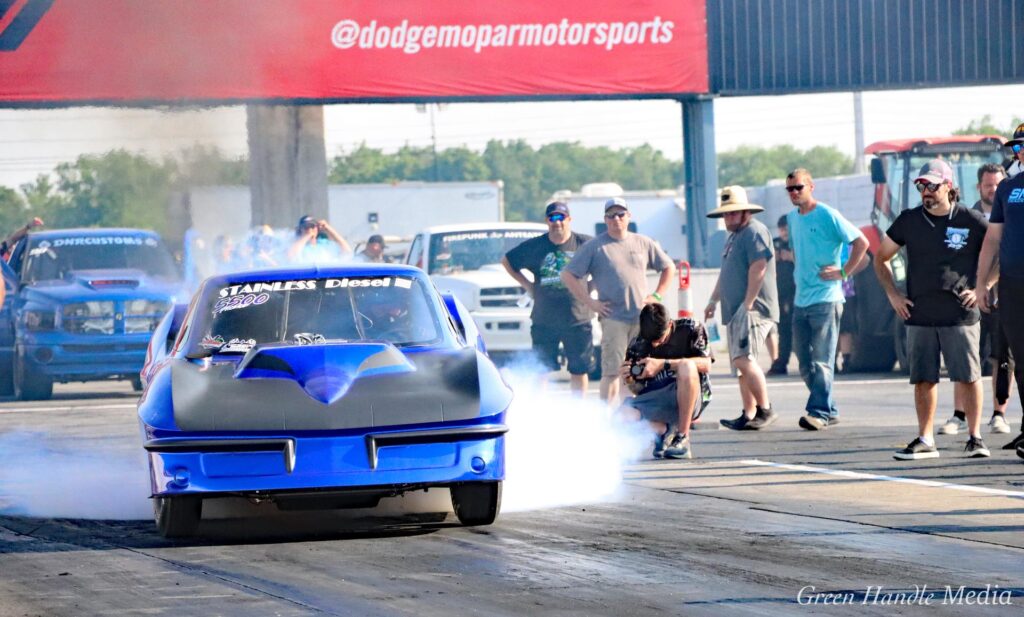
881,336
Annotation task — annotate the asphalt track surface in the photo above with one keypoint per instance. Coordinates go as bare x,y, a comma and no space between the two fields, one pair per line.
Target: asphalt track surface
740,530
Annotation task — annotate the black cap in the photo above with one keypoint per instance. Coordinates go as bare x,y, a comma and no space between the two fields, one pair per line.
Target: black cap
1018,135
556,207
306,221
375,238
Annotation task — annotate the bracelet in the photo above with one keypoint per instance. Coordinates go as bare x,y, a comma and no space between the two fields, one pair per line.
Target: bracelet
656,296
843,272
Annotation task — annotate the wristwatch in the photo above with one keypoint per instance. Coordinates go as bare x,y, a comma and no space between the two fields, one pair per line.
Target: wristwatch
668,367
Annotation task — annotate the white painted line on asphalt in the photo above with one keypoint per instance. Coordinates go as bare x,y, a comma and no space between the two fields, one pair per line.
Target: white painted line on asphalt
67,408
843,382
870,476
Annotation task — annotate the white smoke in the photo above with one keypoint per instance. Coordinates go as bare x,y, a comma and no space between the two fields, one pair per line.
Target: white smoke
68,477
561,449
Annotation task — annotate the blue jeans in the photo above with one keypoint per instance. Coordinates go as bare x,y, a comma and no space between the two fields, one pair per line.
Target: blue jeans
815,337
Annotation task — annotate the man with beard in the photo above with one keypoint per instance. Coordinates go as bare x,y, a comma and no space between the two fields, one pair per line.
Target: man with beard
750,305
943,241
818,234
1005,240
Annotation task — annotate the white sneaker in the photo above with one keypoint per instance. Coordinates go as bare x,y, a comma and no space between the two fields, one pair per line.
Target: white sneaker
953,426
998,424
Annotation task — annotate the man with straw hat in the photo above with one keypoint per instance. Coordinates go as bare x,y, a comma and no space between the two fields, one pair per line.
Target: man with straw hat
750,304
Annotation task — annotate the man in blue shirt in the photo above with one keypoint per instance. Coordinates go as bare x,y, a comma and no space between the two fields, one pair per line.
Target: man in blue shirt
818,233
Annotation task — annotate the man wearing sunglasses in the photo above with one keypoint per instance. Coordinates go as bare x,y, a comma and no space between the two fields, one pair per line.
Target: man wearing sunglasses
1005,240
943,241
558,318
818,234
617,260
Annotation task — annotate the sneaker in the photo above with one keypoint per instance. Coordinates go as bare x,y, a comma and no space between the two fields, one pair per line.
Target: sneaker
777,370
659,443
834,420
915,450
1020,451
1017,442
762,418
678,446
998,424
976,448
742,423
813,423
953,426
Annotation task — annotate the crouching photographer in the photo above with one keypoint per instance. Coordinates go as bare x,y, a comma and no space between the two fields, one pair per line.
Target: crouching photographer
667,368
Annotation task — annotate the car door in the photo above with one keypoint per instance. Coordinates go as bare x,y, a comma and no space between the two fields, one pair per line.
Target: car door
10,283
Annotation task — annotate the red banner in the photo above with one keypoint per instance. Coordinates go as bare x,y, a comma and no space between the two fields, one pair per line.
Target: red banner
62,51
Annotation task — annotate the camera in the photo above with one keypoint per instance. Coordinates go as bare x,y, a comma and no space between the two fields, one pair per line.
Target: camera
637,350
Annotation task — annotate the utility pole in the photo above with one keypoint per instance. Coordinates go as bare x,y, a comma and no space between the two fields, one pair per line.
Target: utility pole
431,109
858,131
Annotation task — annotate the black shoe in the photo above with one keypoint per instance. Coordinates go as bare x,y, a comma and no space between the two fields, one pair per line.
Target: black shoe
1017,442
813,423
1020,451
834,420
777,370
678,446
742,423
976,448
916,450
762,418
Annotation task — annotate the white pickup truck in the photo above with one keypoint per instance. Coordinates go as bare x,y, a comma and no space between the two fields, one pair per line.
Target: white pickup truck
465,259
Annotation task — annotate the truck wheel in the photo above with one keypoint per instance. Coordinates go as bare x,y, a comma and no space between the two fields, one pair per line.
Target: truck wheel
177,517
29,387
476,503
137,383
595,374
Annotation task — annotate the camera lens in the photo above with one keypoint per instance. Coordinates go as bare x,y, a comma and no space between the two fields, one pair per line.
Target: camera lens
636,370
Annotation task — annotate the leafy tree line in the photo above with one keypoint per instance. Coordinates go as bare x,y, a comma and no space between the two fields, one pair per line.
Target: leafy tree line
121,188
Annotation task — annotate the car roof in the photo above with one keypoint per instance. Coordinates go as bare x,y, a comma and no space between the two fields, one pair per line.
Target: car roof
444,229
902,145
314,271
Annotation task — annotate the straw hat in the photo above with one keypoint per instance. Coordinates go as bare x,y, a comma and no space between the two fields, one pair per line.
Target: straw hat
733,199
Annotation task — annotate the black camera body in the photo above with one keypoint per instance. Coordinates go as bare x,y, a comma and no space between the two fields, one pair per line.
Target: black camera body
637,350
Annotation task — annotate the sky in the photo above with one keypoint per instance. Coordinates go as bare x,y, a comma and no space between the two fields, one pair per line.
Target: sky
35,141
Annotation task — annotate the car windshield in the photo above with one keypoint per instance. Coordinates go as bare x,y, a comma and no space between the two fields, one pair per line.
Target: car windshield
396,309
52,258
470,250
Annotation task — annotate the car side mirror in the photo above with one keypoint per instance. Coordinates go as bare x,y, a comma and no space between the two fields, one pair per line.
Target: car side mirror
877,171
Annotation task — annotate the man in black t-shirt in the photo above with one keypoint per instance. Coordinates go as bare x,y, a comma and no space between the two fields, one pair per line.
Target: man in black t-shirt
558,318
672,387
786,284
1005,238
943,241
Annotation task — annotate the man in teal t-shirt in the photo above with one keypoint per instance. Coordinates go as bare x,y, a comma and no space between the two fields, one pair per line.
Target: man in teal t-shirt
818,234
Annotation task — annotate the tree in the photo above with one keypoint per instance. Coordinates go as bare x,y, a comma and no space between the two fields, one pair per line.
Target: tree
754,165
13,211
986,126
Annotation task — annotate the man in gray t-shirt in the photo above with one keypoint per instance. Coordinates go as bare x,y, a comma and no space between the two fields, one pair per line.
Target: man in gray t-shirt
750,303
617,261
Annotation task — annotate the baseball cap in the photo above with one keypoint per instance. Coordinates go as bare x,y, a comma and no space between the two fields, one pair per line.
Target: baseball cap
1018,135
307,221
375,238
616,202
937,171
556,207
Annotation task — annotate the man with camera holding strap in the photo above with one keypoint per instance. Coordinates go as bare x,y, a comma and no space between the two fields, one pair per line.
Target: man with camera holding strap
667,368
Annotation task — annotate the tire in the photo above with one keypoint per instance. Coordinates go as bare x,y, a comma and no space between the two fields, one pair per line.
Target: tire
30,387
136,383
177,517
595,374
476,503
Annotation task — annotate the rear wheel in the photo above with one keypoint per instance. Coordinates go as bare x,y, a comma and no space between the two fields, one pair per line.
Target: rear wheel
29,387
137,383
477,503
177,517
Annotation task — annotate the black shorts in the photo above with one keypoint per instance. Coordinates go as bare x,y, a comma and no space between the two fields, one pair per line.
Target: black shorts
577,341
999,348
848,322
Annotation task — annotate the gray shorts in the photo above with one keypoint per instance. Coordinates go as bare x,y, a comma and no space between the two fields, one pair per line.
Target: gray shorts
615,337
959,346
747,331
661,405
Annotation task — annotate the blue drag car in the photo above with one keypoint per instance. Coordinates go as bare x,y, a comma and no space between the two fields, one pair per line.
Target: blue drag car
81,306
321,387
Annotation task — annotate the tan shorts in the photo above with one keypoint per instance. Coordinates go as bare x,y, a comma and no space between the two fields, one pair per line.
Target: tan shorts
615,337
747,332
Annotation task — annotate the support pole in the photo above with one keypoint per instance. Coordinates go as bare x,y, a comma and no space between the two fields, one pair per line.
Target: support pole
700,170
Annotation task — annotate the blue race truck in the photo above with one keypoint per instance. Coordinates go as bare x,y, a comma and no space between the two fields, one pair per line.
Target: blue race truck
81,306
